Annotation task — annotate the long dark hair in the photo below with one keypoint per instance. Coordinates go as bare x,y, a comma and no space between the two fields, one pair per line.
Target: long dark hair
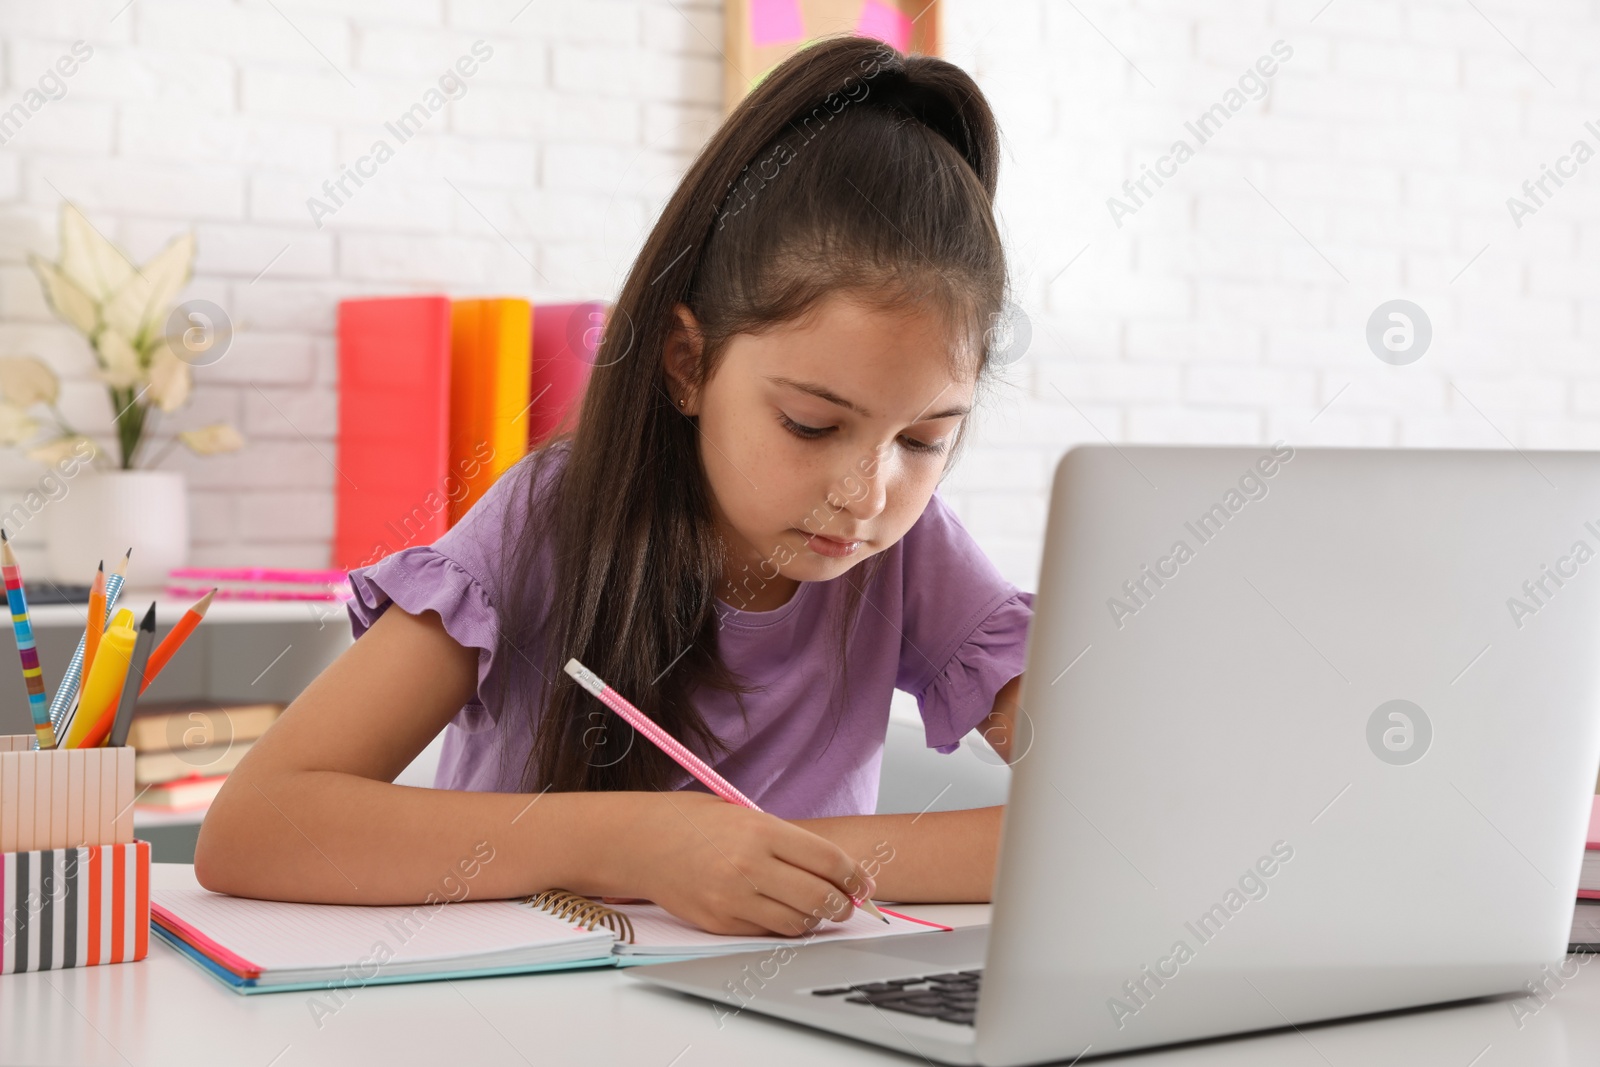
851,168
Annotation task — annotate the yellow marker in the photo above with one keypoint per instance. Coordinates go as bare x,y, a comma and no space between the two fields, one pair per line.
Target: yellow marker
98,702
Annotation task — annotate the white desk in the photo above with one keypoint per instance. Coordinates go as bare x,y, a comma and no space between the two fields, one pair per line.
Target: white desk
165,1012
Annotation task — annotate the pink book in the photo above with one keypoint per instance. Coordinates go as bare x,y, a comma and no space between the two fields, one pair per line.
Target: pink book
257,574
321,593
1589,874
565,337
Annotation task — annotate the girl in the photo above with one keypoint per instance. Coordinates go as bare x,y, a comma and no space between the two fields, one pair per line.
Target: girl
741,536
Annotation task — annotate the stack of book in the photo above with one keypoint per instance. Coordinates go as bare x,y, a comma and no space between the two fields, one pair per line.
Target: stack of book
438,398
185,750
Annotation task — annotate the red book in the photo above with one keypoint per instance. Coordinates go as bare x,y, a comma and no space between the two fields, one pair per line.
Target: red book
394,427
1589,873
565,337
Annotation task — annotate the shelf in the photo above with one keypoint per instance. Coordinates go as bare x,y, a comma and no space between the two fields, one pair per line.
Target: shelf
224,612
144,818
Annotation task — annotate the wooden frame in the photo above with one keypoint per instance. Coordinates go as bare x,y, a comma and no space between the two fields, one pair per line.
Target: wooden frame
914,25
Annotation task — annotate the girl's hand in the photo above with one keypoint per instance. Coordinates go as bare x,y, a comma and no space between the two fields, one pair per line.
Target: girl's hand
730,870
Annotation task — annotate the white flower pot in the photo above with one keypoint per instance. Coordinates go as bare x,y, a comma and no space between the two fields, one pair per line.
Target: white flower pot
104,513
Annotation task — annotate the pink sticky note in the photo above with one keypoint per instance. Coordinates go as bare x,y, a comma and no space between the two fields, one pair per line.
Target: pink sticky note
775,22
888,24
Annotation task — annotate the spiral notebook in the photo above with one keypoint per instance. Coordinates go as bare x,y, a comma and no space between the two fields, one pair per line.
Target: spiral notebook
264,946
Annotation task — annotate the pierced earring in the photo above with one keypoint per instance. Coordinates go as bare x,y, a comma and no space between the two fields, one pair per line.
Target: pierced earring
681,403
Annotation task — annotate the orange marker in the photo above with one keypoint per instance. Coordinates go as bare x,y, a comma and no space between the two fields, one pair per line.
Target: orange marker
174,640
97,618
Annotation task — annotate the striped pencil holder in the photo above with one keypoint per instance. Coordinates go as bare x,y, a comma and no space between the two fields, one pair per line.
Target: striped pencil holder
74,884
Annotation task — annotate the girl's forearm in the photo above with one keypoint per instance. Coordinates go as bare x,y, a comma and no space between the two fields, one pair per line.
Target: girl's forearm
942,856
337,838
331,837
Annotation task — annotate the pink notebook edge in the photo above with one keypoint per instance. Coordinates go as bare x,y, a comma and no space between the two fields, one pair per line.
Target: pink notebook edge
223,955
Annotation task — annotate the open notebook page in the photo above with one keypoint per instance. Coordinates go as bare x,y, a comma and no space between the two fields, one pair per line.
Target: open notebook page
274,935
657,932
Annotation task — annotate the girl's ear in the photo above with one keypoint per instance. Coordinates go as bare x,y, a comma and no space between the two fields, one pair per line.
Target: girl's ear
681,360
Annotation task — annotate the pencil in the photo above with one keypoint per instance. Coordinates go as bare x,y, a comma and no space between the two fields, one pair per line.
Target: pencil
27,651
174,641
680,755
61,707
130,688
97,619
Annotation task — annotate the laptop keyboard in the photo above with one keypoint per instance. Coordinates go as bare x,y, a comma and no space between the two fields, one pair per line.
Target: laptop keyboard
951,996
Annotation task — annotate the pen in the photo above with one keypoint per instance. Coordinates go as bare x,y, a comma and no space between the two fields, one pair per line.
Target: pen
682,756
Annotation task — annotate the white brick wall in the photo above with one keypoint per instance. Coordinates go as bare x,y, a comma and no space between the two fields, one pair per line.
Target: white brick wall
1389,141
226,117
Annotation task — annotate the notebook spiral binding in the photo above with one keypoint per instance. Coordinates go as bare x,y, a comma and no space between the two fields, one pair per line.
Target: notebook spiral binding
573,907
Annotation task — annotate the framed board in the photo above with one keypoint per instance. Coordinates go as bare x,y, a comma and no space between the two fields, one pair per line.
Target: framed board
760,34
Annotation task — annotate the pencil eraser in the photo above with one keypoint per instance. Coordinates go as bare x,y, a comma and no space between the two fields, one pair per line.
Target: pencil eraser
585,677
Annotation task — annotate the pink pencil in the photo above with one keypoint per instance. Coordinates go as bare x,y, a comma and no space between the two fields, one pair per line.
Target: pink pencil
680,755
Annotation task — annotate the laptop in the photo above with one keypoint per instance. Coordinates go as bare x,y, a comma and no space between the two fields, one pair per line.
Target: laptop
1308,733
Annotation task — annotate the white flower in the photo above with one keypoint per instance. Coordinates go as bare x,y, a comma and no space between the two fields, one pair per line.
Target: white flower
121,309
93,263
66,297
26,381
210,440
138,306
53,452
15,424
119,359
169,379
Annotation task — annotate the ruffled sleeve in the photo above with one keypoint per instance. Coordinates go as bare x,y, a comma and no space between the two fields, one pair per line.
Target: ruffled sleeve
455,576
421,579
962,694
964,626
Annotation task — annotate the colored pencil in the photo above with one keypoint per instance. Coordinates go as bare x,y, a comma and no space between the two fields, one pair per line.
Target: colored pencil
174,641
131,689
680,755
62,707
27,651
97,619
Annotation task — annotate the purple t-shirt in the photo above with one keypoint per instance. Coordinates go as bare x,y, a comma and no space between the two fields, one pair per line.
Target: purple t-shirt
941,624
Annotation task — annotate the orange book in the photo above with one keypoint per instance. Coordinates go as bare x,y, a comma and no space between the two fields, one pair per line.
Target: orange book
489,355
394,404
